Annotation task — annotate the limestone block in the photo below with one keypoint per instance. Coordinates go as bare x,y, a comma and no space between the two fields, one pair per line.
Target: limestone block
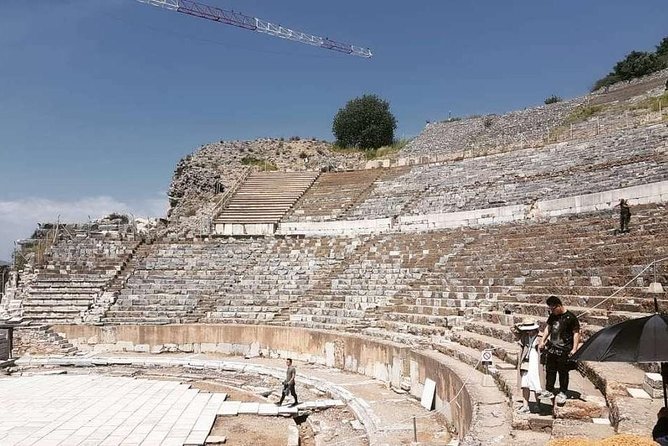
350,364
330,349
381,371
428,394
125,346
223,348
101,348
651,391
186,348
142,348
638,393
254,350
92,340
207,347
157,349
654,380
396,372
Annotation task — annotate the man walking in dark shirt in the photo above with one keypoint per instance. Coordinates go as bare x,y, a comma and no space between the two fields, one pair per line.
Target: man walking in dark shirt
560,340
289,383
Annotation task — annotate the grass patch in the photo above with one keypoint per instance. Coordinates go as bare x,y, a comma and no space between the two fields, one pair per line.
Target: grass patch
262,163
653,103
582,113
373,154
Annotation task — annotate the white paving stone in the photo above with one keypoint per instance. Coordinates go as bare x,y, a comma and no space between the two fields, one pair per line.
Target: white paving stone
268,409
249,408
87,410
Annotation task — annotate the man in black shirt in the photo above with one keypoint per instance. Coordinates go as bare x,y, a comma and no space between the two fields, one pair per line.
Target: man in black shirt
560,340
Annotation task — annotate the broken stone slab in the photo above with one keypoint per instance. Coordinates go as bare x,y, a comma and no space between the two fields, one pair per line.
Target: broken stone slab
581,410
654,380
653,385
638,393
651,391
215,440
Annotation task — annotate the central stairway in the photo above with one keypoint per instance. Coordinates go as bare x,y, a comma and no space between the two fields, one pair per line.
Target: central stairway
263,199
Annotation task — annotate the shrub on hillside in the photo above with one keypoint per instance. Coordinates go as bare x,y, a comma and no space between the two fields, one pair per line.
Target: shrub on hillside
552,99
262,163
365,122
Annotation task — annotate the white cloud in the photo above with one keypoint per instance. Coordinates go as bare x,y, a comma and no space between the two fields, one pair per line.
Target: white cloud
19,218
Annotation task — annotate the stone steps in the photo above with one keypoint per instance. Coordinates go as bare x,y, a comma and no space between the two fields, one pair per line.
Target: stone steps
593,405
264,198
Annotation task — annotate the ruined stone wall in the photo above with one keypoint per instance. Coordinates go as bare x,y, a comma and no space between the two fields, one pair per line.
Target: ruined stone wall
34,341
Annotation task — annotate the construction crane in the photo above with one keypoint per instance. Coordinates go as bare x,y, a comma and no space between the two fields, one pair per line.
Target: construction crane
254,24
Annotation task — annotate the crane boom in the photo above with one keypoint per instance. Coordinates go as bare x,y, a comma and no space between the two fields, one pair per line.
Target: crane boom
203,11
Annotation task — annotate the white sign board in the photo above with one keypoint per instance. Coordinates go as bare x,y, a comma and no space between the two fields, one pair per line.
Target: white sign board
428,394
486,357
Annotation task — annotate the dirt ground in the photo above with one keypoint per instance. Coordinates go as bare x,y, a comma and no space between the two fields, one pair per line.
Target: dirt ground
251,430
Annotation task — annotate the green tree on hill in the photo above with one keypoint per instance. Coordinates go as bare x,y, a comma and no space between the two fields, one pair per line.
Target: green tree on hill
662,50
365,122
636,64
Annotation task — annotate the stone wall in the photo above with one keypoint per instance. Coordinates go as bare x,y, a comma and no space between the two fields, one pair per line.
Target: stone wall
382,360
33,341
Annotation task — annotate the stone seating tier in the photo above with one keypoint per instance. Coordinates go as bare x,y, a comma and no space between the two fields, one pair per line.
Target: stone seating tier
332,195
490,131
247,279
628,158
392,280
75,272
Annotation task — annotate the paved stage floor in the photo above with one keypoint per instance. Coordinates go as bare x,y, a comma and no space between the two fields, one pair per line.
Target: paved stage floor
78,410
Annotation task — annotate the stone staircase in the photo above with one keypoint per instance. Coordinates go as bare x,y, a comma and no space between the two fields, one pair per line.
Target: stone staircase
112,289
75,274
332,194
265,197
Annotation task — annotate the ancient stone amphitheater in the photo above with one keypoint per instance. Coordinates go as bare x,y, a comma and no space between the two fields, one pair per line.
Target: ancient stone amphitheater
393,273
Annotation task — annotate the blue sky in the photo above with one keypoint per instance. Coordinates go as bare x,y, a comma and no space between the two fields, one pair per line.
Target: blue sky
100,98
